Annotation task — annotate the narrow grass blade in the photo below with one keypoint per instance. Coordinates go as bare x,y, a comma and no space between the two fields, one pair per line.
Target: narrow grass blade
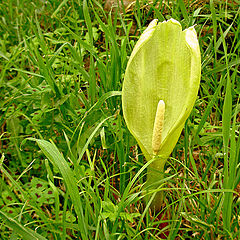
59,8
226,127
92,80
209,107
103,98
214,20
53,154
82,151
183,10
26,233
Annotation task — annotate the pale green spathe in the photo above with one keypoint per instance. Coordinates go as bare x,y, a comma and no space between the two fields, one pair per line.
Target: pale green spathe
164,65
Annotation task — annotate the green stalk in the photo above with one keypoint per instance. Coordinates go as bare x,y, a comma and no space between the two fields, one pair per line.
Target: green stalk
155,175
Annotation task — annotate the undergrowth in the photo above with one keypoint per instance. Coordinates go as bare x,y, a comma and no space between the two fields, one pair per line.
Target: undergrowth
69,167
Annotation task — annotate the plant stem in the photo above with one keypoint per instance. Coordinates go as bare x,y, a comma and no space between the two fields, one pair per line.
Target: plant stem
154,181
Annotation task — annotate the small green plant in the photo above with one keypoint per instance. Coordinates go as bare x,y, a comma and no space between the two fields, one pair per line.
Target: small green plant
159,91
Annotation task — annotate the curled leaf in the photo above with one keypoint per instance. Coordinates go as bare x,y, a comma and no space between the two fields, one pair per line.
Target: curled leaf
164,65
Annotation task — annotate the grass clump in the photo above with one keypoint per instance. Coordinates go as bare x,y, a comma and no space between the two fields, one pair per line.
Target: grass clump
69,167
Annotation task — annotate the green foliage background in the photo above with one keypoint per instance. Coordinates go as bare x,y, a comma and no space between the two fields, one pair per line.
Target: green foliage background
69,167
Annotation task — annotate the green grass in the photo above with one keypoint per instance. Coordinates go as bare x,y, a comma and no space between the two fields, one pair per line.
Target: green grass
69,167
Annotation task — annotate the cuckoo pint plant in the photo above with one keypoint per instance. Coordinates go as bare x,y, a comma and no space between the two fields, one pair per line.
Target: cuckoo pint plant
159,90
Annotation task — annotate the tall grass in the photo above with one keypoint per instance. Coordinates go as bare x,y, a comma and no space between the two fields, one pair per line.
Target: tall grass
69,167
